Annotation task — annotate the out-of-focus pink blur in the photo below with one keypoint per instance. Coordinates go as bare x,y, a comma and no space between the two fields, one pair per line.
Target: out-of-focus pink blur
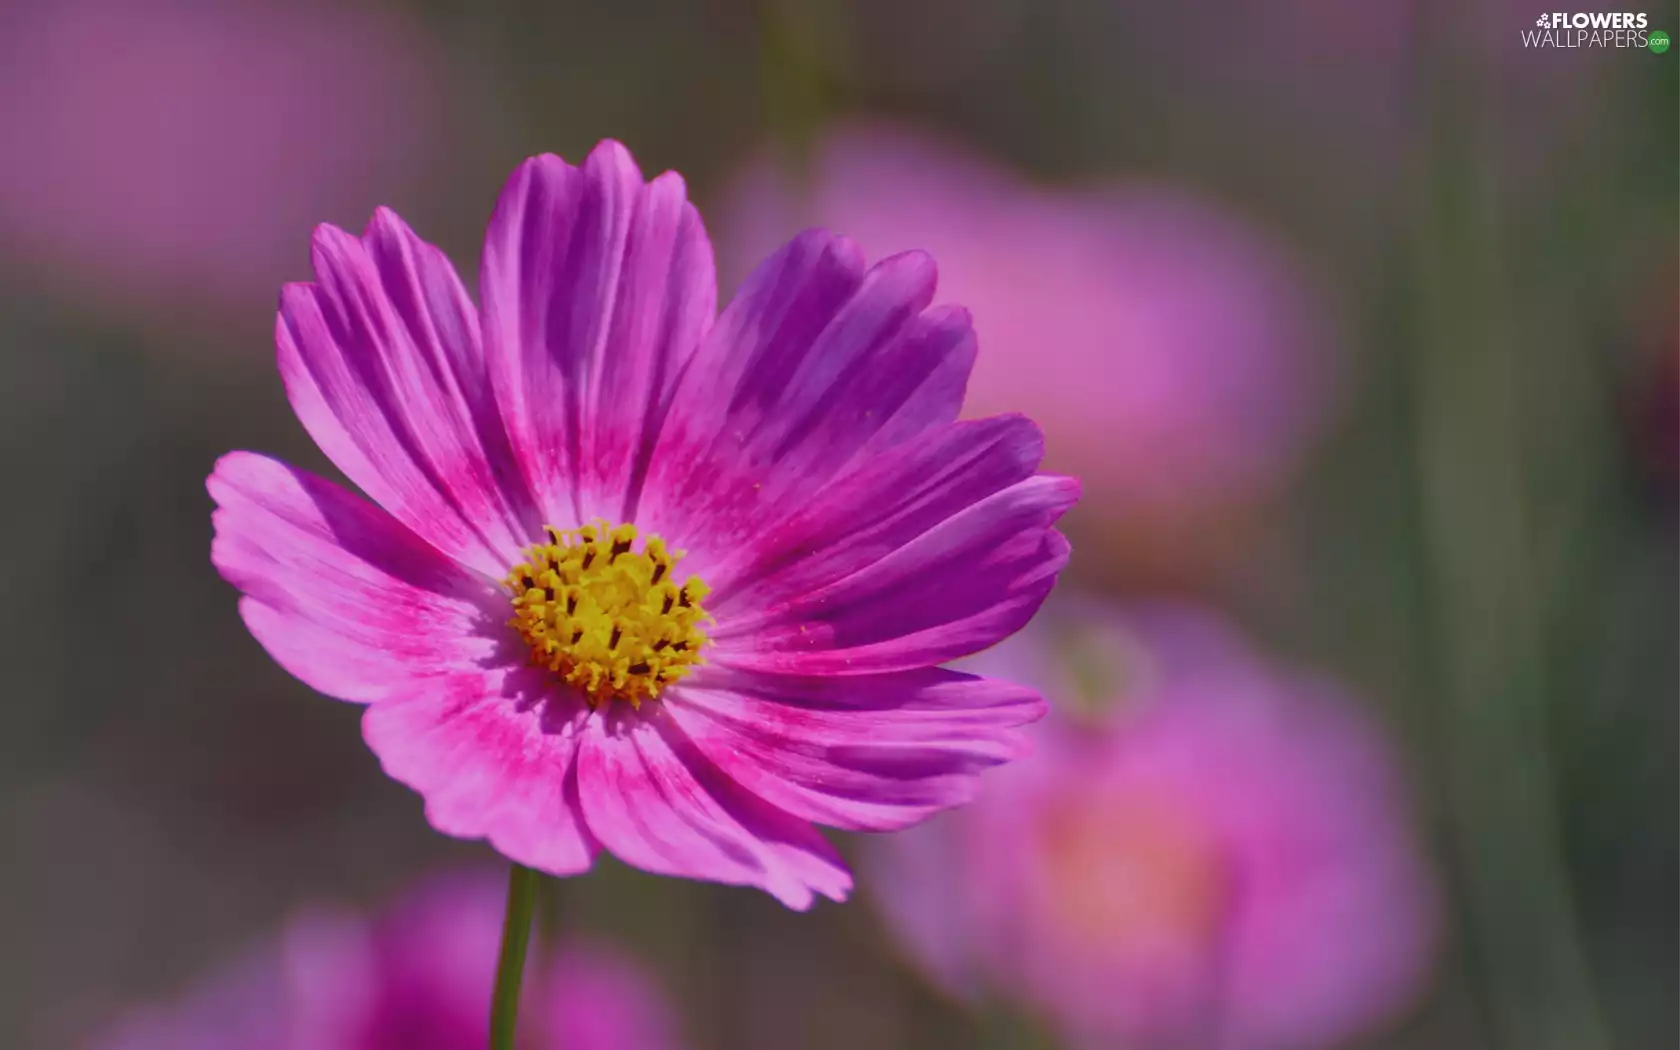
417,976
1176,357
1182,859
176,153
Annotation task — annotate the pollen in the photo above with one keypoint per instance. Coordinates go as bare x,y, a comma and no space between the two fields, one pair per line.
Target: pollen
605,616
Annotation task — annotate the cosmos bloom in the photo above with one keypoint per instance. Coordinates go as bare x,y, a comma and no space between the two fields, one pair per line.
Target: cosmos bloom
1174,355
634,578
1221,861
417,977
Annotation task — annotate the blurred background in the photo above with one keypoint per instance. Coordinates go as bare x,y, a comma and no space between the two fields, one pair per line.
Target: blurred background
1358,321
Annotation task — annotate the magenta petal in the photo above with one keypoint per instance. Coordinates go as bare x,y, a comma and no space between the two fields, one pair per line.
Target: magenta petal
349,601
381,360
597,288
870,511
864,753
657,803
337,591
930,552
493,752
817,361
956,589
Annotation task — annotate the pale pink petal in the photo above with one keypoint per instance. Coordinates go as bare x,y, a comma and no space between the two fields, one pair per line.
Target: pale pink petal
382,363
350,602
873,753
657,803
817,362
597,288
935,550
878,506
493,752
337,591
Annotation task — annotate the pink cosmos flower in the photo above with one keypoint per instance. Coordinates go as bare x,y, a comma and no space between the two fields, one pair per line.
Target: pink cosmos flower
634,578
1224,861
1175,356
417,977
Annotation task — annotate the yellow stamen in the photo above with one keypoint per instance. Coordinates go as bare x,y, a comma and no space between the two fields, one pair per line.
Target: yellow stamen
605,617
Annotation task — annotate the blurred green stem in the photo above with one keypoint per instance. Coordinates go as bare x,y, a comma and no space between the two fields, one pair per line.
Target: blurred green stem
510,969
803,61
1005,1028
1477,534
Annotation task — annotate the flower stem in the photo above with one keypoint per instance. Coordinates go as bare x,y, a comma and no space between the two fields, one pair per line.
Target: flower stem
1485,525
510,969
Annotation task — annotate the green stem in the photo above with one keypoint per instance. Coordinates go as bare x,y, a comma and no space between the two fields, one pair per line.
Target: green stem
1479,523
510,970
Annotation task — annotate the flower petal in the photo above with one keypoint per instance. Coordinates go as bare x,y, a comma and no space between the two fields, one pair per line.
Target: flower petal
932,551
597,288
358,607
864,753
381,360
658,804
493,753
817,362
337,591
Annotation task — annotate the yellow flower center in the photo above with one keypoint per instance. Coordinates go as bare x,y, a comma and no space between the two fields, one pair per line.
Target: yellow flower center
605,617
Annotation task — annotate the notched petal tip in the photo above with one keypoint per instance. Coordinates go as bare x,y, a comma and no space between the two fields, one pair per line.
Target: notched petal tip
484,775
669,183
1019,434
1058,549
608,159
839,891
227,464
529,174
1022,432
815,240
1068,489
612,153
657,803
1021,744
292,293
328,244
385,222
952,317
914,264
563,861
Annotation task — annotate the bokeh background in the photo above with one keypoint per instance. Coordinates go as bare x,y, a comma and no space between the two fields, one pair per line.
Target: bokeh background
1358,320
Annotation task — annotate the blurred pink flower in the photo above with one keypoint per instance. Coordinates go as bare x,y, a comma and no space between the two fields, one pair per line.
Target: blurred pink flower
1172,354
159,148
417,977
1224,861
